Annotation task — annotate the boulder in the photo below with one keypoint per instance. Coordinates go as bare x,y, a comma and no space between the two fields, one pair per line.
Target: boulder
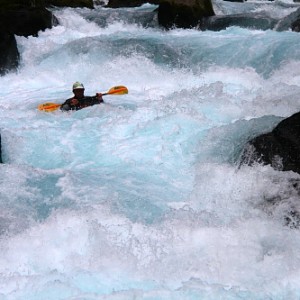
295,26
173,13
251,20
183,13
26,21
9,55
26,18
291,21
20,18
200,13
17,4
70,3
127,3
279,148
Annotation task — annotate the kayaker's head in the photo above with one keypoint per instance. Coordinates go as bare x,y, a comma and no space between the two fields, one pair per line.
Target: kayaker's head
78,89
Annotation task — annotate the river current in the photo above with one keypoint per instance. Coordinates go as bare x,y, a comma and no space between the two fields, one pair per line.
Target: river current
143,197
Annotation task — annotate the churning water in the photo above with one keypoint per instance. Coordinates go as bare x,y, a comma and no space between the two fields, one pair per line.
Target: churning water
142,197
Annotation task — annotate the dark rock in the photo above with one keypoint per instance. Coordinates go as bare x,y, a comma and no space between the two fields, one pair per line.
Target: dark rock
183,13
292,219
26,18
234,0
200,13
18,4
289,129
253,21
291,21
9,55
20,21
70,3
279,148
295,26
284,205
173,13
127,3
26,22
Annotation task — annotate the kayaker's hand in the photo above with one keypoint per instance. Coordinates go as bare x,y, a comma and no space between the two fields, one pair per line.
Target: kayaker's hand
74,101
99,96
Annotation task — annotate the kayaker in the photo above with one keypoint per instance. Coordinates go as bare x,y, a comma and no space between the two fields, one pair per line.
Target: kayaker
79,100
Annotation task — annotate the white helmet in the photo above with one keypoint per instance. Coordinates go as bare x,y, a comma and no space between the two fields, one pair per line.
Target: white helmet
77,85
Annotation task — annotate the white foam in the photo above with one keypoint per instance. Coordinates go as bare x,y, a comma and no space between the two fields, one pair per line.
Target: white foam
140,196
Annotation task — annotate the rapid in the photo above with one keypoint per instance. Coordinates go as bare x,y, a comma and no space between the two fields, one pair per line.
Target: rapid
143,197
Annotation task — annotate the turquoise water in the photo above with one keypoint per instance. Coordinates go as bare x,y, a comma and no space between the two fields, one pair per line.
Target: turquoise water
142,197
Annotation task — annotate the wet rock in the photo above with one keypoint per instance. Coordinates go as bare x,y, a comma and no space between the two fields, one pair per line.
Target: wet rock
9,55
26,22
279,148
291,21
284,206
18,4
70,3
173,13
17,19
295,26
127,3
200,13
253,21
26,18
183,13
292,219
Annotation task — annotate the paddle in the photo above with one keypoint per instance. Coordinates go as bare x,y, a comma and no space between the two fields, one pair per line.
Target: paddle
116,90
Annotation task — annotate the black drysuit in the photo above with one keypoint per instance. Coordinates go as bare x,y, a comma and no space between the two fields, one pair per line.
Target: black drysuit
83,102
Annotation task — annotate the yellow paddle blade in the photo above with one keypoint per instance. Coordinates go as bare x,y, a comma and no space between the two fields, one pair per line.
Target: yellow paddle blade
48,107
117,90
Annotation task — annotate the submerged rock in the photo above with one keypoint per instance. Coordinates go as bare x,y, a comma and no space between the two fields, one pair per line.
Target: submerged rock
279,148
253,21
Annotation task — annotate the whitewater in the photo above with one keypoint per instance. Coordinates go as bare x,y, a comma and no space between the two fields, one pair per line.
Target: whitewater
143,197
